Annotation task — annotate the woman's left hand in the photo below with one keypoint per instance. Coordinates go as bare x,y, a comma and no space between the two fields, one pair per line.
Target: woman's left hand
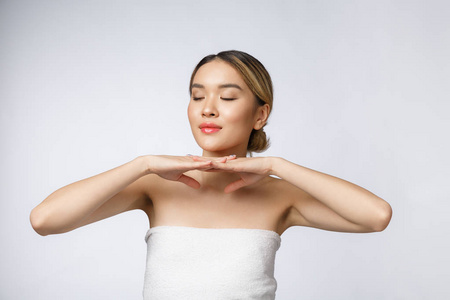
249,169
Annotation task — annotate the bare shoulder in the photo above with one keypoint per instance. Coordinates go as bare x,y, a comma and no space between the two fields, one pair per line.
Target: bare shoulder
157,189
152,186
302,206
295,198
284,197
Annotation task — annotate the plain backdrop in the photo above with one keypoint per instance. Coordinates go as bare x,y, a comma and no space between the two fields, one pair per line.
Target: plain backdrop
361,92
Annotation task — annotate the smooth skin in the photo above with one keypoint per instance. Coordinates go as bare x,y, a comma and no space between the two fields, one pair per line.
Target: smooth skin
222,188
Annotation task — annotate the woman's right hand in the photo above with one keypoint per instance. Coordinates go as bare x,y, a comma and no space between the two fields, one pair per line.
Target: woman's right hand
111,192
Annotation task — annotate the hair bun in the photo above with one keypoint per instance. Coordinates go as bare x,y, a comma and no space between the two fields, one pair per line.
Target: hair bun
258,141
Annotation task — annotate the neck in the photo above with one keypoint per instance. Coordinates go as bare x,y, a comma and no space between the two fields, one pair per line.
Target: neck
219,180
238,151
216,181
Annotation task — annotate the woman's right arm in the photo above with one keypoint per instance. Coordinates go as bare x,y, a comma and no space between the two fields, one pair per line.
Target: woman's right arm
107,194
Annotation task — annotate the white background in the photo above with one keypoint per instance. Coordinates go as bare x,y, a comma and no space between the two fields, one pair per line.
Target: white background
361,92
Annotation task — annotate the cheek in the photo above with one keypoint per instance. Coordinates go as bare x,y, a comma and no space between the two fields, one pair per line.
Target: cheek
190,112
242,116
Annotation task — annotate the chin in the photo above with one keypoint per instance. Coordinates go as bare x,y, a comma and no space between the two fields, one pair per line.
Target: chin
223,146
214,147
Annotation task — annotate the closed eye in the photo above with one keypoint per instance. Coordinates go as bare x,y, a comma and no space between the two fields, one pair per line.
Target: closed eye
197,98
228,99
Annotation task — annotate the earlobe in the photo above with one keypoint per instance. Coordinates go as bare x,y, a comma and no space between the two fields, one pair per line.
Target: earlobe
259,124
263,114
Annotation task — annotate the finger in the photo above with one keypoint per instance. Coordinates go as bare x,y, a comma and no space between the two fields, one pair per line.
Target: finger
222,160
189,181
216,170
202,165
223,166
219,159
189,166
234,186
197,158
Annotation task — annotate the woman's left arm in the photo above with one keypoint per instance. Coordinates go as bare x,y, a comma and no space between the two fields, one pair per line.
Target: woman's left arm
365,211
321,201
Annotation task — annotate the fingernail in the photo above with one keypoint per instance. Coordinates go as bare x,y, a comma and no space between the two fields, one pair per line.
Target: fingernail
233,155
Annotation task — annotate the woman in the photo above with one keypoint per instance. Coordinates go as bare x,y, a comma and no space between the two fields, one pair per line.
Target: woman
216,220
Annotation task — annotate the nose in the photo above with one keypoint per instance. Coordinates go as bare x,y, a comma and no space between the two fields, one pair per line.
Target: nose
209,108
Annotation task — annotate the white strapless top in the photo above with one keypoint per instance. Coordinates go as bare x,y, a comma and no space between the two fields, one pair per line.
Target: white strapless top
210,263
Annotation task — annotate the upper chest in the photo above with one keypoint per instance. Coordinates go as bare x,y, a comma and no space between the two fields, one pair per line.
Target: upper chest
260,206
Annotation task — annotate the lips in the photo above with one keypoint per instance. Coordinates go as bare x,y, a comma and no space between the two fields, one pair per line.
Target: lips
209,127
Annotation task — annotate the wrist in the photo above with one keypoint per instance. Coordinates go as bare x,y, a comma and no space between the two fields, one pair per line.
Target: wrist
144,164
273,165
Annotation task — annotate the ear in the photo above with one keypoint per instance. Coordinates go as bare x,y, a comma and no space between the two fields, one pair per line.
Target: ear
262,113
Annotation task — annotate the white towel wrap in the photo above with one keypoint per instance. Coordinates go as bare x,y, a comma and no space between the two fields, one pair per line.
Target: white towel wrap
210,263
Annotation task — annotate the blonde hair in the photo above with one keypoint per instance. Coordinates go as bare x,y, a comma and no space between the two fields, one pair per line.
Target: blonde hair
257,79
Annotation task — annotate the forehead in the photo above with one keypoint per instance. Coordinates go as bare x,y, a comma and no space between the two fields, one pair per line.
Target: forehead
218,72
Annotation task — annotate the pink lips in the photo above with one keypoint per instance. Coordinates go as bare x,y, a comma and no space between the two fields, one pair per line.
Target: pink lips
209,127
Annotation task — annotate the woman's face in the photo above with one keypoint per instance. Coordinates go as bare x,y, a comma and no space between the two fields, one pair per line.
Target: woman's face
222,111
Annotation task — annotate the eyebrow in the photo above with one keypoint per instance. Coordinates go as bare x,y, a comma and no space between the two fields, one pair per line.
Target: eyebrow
222,86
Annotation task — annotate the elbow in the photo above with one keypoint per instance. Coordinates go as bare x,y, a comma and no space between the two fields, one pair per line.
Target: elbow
44,222
384,216
38,222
